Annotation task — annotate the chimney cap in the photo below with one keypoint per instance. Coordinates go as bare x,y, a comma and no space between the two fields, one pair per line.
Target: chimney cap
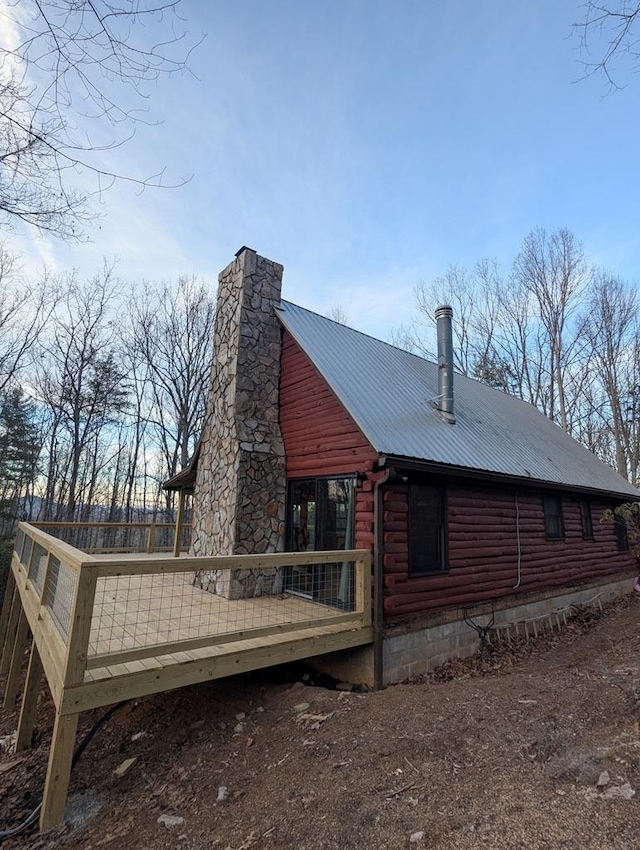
444,310
244,248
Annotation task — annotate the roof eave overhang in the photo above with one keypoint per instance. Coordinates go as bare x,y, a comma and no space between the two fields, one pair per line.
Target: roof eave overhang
185,479
453,471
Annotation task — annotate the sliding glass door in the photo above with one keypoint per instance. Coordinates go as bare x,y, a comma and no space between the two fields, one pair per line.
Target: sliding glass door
321,517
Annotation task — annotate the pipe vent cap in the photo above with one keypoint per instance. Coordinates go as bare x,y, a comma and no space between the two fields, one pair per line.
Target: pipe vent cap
444,312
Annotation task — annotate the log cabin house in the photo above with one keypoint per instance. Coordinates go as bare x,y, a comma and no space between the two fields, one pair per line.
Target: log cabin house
477,508
324,453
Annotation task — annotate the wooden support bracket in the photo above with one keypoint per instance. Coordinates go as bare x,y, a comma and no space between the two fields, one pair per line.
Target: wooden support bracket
17,657
9,594
12,624
29,701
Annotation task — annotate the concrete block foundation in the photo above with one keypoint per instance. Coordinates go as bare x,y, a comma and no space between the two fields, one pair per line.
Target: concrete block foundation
411,649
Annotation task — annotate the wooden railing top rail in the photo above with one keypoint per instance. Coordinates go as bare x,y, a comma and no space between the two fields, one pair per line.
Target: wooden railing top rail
118,537
73,524
138,565
143,564
71,556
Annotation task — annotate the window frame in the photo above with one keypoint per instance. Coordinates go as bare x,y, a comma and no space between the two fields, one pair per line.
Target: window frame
419,571
318,520
551,534
586,519
620,530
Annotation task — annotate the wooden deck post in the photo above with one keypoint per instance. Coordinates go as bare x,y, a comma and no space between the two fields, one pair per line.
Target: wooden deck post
151,536
177,538
15,668
9,592
29,701
59,770
363,591
64,732
80,626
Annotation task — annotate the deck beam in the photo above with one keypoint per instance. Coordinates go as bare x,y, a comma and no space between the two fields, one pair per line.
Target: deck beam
181,672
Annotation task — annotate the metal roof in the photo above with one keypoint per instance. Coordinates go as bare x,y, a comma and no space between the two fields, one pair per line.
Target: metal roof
390,395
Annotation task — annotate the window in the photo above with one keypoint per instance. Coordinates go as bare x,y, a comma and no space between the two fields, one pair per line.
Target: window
553,522
587,521
427,530
620,528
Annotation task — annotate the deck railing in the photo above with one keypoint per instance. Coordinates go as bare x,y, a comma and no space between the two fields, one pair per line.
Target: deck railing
102,610
103,537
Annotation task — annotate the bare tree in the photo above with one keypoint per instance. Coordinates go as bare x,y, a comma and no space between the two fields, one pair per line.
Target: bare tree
172,335
553,270
456,288
474,297
19,452
339,314
136,466
71,71
611,327
607,35
24,310
82,385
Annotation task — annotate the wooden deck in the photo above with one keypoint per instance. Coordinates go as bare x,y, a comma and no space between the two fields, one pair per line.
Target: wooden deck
145,613
111,627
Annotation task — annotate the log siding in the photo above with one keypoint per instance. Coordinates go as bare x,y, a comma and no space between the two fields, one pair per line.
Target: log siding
483,549
319,435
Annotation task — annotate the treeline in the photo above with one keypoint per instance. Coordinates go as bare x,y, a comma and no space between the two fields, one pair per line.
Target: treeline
102,393
553,330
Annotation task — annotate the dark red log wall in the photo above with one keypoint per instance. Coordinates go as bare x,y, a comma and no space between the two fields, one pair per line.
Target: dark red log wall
483,549
320,437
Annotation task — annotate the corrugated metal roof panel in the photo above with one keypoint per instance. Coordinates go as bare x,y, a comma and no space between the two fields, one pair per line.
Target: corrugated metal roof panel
390,395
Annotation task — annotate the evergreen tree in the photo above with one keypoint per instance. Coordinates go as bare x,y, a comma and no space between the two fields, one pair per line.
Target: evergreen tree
20,446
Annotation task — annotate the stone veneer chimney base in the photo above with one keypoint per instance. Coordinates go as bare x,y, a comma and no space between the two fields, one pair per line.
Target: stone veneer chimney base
239,497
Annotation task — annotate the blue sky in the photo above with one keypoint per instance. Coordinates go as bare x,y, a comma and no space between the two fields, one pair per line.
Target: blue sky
366,145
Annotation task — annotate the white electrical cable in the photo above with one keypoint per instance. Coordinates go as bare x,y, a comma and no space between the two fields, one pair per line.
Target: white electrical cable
517,584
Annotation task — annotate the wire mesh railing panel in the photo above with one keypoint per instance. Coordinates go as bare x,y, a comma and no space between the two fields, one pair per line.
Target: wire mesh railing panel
327,584
26,552
139,612
116,539
185,538
19,544
59,595
38,566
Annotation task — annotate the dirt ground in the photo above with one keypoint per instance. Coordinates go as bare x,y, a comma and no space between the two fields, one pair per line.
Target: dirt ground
500,752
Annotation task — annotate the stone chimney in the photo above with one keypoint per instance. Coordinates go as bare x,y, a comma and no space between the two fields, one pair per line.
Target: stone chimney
239,497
